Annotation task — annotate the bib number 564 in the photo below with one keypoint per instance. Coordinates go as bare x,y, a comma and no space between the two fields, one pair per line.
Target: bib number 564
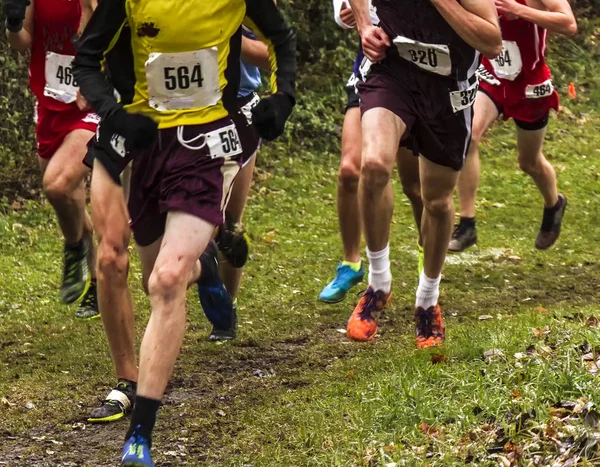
183,77
229,141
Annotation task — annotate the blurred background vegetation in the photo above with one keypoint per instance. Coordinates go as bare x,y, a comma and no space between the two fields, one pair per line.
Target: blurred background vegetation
325,54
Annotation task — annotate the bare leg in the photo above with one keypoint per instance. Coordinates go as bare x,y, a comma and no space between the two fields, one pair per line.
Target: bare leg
347,192
176,266
63,182
382,131
232,277
534,164
408,169
111,217
438,185
485,113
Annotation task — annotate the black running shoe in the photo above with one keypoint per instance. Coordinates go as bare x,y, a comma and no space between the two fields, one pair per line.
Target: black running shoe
88,308
117,404
551,224
228,333
464,236
76,273
234,243
214,298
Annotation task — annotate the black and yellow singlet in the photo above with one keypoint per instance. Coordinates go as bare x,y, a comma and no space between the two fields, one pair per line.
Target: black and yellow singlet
185,56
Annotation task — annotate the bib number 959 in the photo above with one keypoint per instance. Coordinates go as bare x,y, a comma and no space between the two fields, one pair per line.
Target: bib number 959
183,77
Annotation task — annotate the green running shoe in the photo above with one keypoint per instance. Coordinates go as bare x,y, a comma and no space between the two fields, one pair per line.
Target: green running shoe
76,273
117,404
88,308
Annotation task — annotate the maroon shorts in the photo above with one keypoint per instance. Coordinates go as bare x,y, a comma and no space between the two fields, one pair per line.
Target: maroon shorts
172,177
243,121
53,126
423,100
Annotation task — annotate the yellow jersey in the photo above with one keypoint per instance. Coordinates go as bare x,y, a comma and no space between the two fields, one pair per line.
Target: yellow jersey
184,54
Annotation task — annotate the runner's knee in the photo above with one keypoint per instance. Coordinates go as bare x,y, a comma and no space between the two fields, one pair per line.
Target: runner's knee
412,190
375,173
166,280
58,187
438,205
113,260
530,165
349,175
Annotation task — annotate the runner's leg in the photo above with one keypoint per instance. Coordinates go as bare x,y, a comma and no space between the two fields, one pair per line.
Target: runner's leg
408,170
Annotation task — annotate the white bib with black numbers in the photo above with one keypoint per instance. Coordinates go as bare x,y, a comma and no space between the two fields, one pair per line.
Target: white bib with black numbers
537,91
508,64
60,82
224,142
464,99
181,81
430,57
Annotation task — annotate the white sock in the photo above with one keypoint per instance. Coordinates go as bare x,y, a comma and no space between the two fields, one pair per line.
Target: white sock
428,291
380,275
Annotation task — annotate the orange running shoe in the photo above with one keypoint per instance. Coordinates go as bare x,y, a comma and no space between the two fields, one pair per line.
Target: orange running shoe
362,325
431,331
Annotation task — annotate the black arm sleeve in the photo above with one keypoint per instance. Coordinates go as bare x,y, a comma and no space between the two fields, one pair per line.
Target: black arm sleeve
98,37
265,19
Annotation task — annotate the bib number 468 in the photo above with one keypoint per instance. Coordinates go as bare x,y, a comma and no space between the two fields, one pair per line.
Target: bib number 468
64,75
183,77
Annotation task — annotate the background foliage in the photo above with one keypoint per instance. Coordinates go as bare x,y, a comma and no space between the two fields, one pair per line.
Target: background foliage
325,53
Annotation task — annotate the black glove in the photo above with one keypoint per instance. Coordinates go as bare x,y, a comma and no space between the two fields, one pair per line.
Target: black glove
139,131
270,114
14,11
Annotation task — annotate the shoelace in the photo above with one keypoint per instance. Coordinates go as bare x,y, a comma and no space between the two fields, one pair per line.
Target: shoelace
425,326
370,302
460,230
342,275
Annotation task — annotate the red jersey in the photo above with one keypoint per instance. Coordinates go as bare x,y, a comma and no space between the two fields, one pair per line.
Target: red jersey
519,76
51,80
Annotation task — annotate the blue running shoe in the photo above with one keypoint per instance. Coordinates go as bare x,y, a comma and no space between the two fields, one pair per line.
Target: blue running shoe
136,452
345,279
214,298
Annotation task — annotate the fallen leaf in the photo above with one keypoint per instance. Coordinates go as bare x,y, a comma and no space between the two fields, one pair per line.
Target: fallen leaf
429,430
438,358
341,331
485,317
592,419
516,394
493,353
541,309
221,413
592,322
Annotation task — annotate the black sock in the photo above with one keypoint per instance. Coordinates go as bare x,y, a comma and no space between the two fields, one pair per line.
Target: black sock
468,222
75,246
209,268
554,209
143,417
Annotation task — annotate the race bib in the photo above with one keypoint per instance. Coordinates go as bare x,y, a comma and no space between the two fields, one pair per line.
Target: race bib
464,99
430,57
224,142
537,91
352,81
486,76
364,68
180,81
60,82
508,64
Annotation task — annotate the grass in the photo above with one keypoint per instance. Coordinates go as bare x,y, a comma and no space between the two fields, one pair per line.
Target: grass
511,386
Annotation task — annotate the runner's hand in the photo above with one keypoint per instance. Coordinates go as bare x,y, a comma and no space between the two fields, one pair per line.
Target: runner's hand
82,103
375,41
270,114
14,11
139,131
509,8
347,17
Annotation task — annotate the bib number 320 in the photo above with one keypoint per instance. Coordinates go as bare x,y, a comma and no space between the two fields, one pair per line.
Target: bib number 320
431,57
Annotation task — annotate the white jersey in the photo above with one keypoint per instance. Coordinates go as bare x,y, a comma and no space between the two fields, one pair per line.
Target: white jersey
339,5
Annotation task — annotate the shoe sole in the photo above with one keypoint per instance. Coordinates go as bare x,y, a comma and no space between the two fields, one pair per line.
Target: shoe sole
542,248
67,300
329,301
456,250
87,318
110,418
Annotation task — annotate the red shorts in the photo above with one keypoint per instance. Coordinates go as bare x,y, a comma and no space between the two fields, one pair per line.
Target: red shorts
52,127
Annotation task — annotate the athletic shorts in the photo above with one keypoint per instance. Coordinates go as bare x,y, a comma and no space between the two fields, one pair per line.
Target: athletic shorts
528,114
352,101
437,111
243,121
182,172
53,126
112,158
